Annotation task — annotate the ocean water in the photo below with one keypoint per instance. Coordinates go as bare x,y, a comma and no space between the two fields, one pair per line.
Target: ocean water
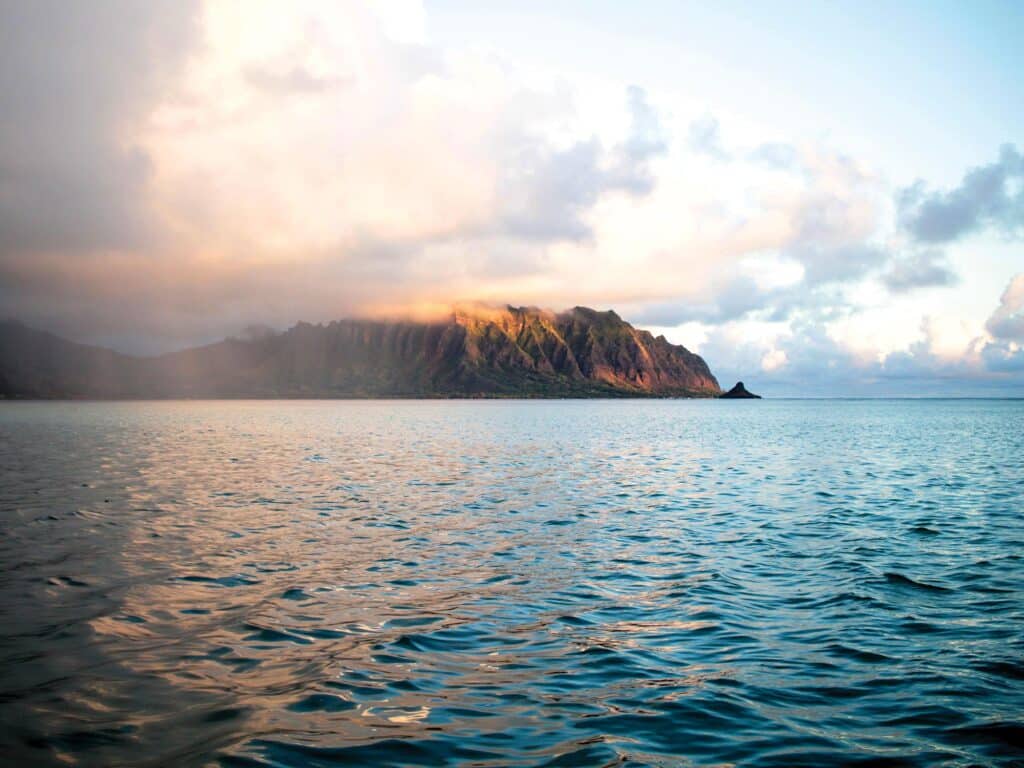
667,583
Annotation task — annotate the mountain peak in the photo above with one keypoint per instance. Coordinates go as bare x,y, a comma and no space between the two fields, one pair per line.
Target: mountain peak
478,351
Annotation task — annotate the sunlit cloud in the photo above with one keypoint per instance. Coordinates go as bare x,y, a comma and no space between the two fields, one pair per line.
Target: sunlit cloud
268,163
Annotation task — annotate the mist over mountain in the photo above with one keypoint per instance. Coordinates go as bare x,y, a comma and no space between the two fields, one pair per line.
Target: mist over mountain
515,351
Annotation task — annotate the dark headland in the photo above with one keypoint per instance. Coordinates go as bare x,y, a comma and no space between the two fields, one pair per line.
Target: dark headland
739,392
478,352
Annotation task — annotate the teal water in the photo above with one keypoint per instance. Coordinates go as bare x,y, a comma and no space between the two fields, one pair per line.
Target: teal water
775,583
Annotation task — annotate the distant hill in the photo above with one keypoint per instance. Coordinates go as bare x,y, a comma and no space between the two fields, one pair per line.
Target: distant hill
511,352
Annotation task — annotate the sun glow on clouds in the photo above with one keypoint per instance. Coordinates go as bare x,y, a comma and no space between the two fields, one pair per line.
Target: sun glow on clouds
299,132
312,160
320,140
318,137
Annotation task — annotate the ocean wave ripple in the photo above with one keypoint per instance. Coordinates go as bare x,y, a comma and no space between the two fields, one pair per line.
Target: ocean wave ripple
512,583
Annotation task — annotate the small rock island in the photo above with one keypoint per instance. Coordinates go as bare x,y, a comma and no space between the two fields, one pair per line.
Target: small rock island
739,392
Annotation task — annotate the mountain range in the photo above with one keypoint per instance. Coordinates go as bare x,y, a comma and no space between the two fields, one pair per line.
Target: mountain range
477,352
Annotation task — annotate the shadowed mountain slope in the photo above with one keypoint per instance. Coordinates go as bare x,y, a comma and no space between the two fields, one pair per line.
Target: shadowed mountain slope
509,352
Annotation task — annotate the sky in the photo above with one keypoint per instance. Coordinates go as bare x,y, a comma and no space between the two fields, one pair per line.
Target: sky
819,198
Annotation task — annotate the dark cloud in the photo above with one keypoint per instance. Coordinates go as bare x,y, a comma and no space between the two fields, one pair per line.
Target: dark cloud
988,196
75,77
704,138
838,263
1000,357
923,269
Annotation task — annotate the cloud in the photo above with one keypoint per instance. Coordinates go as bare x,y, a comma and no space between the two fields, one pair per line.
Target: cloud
77,80
1001,357
821,216
290,80
268,163
837,263
631,171
546,192
305,165
729,299
833,222
704,138
806,236
1007,322
775,155
804,359
988,196
392,142
922,269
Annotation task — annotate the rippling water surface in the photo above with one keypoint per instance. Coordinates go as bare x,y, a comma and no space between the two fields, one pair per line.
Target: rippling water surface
512,583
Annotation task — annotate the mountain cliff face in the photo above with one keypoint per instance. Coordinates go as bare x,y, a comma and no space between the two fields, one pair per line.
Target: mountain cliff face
521,351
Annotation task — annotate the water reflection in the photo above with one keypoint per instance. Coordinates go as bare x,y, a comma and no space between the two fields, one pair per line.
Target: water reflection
512,583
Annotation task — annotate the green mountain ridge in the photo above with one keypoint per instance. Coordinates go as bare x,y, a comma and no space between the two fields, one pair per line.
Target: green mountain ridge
510,352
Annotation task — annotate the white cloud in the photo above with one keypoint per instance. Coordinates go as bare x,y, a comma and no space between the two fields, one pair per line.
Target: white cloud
773,360
313,153
1007,322
263,162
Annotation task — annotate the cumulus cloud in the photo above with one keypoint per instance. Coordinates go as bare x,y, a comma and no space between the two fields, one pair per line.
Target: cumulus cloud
838,263
304,163
820,214
262,162
1007,322
1001,357
818,219
268,163
922,269
704,138
988,196
806,359
833,221
546,192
